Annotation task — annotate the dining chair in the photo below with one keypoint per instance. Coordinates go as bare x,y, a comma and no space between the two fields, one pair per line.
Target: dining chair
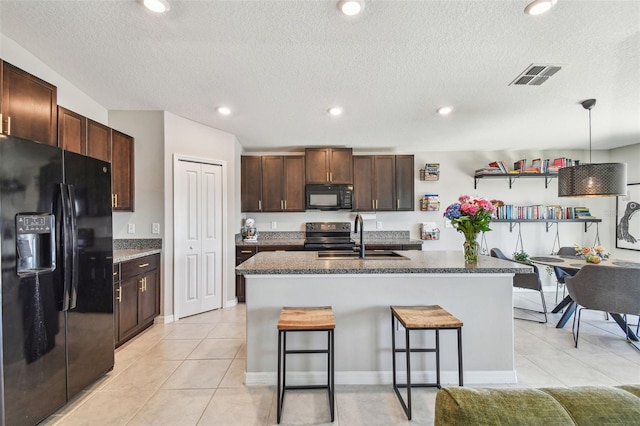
611,289
530,281
560,273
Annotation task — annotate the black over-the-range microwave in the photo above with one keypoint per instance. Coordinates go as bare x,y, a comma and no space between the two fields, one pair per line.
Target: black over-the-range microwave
329,197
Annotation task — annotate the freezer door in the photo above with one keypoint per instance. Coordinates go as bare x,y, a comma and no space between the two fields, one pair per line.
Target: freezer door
33,338
90,321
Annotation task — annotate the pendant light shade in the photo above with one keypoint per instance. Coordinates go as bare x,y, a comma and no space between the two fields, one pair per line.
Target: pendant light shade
592,180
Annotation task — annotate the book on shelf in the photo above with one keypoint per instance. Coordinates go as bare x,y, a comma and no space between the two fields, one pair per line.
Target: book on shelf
520,165
500,165
488,171
536,166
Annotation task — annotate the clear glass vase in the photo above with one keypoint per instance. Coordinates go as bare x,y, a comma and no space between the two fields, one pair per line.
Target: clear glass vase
471,248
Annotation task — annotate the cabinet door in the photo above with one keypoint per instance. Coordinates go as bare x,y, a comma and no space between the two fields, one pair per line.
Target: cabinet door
405,181
341,165
122,173
128,319
116,302
28,106
363,183
149,297
98,141
384,182
316,165
294,196
242,254
272,183
251,183
72,131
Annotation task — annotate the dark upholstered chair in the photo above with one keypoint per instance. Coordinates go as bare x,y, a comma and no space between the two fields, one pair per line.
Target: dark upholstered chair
530,281
560,273
605,288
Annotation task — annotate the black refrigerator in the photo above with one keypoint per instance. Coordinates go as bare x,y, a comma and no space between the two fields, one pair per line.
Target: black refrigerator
57,277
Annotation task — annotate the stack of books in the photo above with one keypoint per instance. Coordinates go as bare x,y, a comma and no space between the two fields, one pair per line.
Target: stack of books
540,212
537,165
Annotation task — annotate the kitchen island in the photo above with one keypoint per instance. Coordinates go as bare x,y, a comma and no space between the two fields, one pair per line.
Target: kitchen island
360,292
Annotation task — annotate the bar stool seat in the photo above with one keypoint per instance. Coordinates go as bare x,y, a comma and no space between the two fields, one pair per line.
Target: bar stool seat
412,318
305,319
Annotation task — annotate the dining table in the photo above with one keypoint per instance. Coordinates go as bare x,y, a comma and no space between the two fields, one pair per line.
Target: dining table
574,263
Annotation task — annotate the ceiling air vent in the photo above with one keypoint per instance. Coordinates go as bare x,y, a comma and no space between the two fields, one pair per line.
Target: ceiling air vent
535,75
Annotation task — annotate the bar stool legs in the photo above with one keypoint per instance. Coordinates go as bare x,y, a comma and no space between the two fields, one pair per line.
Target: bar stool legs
421,318
305,320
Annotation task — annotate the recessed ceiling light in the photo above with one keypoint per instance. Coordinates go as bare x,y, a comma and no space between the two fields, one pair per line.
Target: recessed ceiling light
445,110
157,6
223,110
335,111
538,7
351,7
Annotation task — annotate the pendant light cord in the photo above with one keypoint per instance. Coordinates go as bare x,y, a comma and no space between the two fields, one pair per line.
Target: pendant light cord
590,136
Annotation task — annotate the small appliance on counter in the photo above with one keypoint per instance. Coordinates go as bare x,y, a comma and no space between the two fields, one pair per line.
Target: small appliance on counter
249,231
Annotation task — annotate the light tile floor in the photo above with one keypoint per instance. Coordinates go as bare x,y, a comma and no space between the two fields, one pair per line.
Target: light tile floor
191,373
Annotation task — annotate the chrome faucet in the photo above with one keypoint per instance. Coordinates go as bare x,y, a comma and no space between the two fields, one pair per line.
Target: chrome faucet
355,231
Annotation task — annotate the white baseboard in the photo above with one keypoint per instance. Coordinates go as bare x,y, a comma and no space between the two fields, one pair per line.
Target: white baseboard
447,378
163,319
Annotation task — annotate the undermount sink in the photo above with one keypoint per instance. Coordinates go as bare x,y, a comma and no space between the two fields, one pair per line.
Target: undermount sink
368,255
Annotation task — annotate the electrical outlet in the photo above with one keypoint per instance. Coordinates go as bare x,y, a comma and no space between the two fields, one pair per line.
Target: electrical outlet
447,223
274,225
131,228
155,228
379,225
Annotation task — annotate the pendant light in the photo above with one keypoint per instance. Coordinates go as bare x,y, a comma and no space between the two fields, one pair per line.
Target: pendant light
592,180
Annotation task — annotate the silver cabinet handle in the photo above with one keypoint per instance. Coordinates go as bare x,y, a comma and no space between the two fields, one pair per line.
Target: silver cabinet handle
0,123
260,205
9,126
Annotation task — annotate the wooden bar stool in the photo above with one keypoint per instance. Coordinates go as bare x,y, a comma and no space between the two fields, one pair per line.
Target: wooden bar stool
422,318
306,319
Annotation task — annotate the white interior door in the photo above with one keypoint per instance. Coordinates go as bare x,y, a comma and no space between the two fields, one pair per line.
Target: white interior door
198,204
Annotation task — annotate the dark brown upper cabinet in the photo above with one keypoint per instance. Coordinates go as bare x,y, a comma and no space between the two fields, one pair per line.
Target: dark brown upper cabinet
329,165
29,106
282,183
272,183
251,183
383,183
72,131
122,171
98,141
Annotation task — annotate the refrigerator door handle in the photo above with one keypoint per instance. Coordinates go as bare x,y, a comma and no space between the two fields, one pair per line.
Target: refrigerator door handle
74,246
66,246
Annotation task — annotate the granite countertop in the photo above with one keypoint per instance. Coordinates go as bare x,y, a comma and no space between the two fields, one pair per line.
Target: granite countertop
418,262
130,254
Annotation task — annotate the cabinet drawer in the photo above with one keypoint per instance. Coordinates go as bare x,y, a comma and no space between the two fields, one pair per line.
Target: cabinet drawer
139,266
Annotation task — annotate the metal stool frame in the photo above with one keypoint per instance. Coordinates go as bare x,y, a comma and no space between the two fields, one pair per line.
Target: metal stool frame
282,367
408,350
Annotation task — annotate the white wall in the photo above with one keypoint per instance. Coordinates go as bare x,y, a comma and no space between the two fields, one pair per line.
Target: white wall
69,96
456,178
147,127
631,155
186,137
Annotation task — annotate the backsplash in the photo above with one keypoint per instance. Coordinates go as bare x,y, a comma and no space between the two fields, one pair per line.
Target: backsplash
296,235
137,243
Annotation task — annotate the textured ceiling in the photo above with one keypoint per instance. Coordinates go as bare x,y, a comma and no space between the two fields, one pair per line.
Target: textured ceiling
280,64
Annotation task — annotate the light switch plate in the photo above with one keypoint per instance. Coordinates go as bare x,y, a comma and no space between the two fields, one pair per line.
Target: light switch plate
379,224
155,228
131,228
274,225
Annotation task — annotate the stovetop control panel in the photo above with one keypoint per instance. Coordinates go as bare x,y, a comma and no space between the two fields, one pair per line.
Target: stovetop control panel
328,227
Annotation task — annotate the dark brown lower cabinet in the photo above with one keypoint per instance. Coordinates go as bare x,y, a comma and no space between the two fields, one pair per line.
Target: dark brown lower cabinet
137,296
242,254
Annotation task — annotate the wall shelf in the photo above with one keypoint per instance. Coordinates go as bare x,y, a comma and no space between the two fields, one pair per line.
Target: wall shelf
548,222
512,177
